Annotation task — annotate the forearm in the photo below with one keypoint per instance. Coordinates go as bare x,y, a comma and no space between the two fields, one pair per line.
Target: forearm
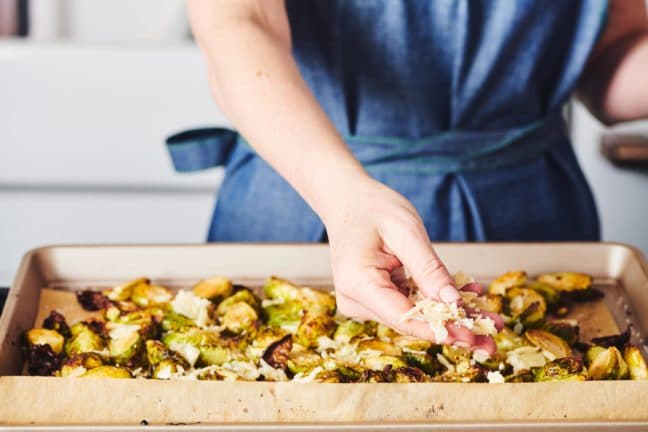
256,82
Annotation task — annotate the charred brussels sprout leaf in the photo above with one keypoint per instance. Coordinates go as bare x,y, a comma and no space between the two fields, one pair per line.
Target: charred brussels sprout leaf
618,340
156,352
40,336
636,364
41,360
507,281
406,374
277,353
216,288
552,346
107,372
56,321
562,369
92,300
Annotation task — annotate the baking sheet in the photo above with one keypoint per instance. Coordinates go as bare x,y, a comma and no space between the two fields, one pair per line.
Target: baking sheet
128,402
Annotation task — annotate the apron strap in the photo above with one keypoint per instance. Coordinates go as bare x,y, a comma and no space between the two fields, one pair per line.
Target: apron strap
200,149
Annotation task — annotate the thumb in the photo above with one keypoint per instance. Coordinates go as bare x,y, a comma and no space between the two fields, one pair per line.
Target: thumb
416,254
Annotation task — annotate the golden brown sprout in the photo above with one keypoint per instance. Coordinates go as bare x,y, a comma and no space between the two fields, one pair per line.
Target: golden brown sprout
303,361
379,362
507,281
41,336
124,291
605,363
107,372
145,295
552,346
347,330
242,295
493,303
527,306
314,326
213,288
239,317
566,281
562,369
77,365
551,295
636,364
380,346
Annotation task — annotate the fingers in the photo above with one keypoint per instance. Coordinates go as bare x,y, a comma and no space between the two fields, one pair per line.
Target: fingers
459,336
474,287
484,345
412,247
352,309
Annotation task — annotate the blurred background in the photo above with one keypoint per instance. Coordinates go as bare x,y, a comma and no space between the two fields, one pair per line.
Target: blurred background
89,89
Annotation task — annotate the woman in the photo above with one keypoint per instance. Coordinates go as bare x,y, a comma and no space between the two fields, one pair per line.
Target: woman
392,122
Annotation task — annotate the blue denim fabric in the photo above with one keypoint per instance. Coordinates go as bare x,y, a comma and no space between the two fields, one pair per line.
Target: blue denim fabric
454,103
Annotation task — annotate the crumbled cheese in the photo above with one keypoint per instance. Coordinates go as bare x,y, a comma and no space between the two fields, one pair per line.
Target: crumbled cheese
272,302
245,369
525,358
118,331
192,306
484,326
164,373
186,350
271,373
480,357
444,361
495,377
310,377
461,279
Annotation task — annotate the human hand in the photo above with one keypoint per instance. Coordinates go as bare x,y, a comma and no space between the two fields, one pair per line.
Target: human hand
375,234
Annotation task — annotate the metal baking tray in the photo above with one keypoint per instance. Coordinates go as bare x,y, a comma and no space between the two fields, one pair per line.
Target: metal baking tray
44,402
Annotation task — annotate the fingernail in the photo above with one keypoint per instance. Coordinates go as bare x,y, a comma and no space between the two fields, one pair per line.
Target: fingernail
461,344
449,294
482,353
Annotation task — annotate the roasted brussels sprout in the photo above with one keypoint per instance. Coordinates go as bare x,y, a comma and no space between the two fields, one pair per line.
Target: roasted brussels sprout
508,340
526,306
213,354
124,291
456,355
145,295
277,288
303,361
347,330
286,315
385,348
522,376
142,319
605,363
470,374
125,342
107,372
92,300
379,362
41,336
636,364
42,361
216,288
313,326
239,317
552,346
77,365
84,339
567,329
278,352
173,321
566,281
56,321
385,333
166,368
406,374
507,281
412,343
562,369
551,295
267,335
243,295
317,301
493,303
156,352
425,361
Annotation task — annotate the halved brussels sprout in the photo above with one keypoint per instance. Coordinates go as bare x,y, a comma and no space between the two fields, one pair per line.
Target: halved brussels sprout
312,327
77,365
493,303
508,340
145,295
124,345
379,362
278,352
385,333
525,375
551,295
267,335
287,315
562,369
471,374
317,301
173,321
239,317
605,363
566,281
56,321
123,291
552,346
303,361
567,329
277,288
384,348
84,339
213,354
456,355
636,364
411,343
166,368
406,374
347,330
507,281
526,306
213,288
107,372
156,352
41,336
143,319
242,295
426,362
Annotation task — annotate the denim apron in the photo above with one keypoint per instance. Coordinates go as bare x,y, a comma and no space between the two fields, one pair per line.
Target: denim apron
456,104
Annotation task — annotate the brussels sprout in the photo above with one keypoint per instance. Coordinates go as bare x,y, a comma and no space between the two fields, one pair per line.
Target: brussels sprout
567,329
350,373
92,300
508,340
372,376
493,303
213,288
327,376
239,317
276,288
379,362
526,306
562,369
551,295
552,346
42,361
77,365
636,364
412,343
124,291
471,374
385,333
380,346
173,321
213,354
522,376
347,330
317,301
124,344
287,315
605,363
422,360
147,326
277,353
107,372
56,321
243,295
456,355
507,281
84,339
303,361
267,335
156,352
312,327
145,295
41,336
406,374
166,368
566,281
